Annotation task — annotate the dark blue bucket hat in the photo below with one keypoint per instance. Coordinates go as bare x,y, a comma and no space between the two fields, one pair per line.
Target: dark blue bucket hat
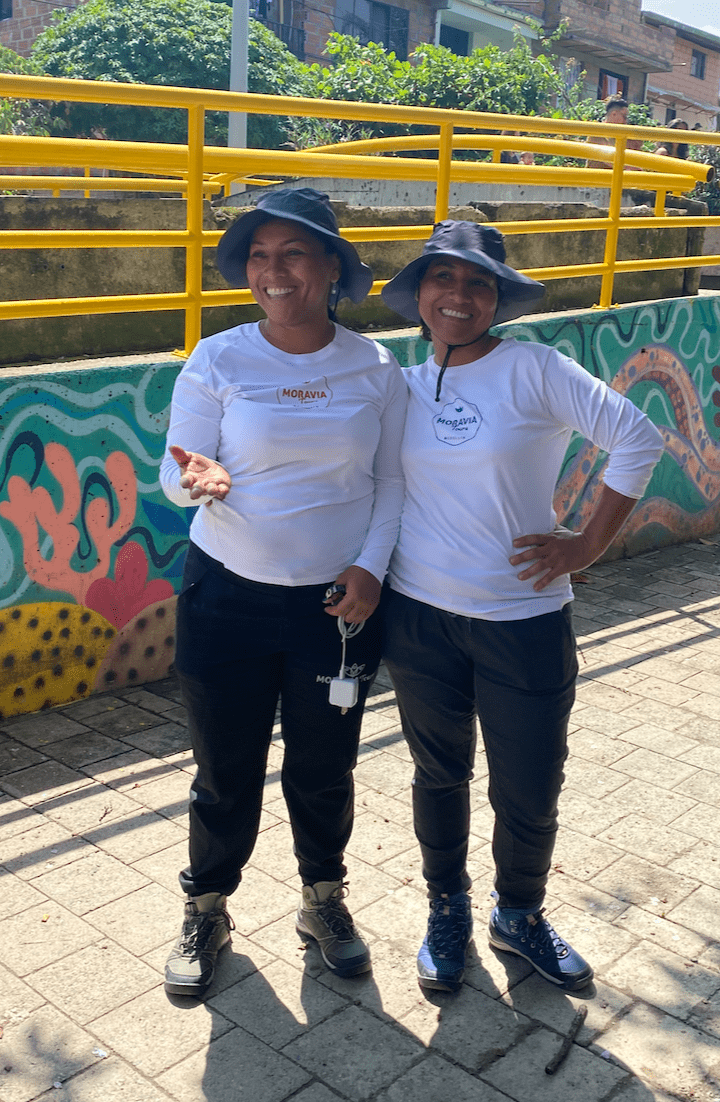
312,210
478,244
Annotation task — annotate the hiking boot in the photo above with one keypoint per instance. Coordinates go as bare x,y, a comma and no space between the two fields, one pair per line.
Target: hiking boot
441,960
206,929
323,917
532,937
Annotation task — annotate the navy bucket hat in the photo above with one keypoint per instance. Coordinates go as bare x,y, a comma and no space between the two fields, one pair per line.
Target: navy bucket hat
311,209
478,244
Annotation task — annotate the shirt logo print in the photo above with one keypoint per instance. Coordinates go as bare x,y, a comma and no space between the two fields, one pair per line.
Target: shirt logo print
312,394
457,422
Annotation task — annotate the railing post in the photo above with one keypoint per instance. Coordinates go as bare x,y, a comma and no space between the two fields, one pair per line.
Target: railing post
193,250
442,195
613,233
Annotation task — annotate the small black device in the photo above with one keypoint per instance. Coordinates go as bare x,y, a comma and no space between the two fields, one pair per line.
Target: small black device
334,594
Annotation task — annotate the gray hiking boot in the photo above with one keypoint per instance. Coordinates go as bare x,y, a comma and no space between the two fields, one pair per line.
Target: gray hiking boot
206,929
323,917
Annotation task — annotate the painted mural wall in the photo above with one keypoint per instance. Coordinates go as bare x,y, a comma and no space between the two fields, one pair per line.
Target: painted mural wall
91,552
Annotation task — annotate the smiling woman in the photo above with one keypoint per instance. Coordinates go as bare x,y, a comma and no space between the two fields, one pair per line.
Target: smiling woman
288,430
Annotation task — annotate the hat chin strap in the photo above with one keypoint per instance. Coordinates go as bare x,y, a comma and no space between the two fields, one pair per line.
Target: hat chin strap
450,349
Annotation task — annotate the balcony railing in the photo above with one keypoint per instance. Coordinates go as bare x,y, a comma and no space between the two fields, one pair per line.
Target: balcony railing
293,37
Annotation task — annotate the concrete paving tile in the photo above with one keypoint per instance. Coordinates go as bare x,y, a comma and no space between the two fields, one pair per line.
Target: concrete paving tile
236,961
16,817
705,704
112,1080
542,1002
82,810
469,1028
489,971
390,991
273,853
374,840
143,698
668,692
521,1073
603,696
94,879
588,814
17,895
638,834
663,668
43,782
591,778
661,1050
43,934
383,773
400,918
279,1003
214,1074
661,805
137,835
354,1053
17,999
620,677
649,886
125,721
393,810
168,795
671,743
125,771
162,740
662,715
582,857
666,980
139,920
261,900
433,1079
366,884
699,911
14,755
706,1015
704,757
42,1049
701,822
42,728
661,931
601,749
97,704
700,730
600,942
583,896
704,683
47,846
85,748
280,939
94,980
701,787
635,1090
153,1034
164,867
701,863
657,769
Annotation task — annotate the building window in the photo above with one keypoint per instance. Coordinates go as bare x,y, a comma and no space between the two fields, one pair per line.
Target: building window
670,114
371,22
285,18
697,64
5,9
456,40
611,84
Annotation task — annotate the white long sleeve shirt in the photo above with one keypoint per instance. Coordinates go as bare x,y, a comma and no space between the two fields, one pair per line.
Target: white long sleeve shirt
481,467
312,445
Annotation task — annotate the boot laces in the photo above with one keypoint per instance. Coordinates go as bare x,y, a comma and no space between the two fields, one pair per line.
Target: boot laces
199,928
542,933
336,916
448,926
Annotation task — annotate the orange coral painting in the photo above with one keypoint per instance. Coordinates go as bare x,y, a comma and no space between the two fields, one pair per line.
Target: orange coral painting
92,553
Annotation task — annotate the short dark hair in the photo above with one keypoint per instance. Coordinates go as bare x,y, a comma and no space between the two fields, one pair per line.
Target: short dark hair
613,102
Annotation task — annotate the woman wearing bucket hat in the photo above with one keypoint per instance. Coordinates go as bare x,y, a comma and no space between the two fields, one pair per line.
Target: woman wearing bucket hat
478,619
287,432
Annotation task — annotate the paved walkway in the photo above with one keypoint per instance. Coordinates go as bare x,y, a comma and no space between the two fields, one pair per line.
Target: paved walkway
93,832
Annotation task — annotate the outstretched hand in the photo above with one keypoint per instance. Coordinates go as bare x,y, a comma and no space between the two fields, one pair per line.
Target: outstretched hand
203,477
361,598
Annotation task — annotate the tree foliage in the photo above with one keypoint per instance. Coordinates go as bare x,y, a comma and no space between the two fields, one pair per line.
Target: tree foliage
21,116
185,43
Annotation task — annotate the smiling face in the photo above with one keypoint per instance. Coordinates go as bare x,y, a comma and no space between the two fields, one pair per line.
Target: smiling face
457,301
290,275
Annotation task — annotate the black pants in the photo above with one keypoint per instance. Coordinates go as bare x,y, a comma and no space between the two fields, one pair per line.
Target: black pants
518,677
240,646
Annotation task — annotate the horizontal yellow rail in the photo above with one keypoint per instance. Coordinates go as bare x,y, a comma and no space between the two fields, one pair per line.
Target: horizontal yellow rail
193,172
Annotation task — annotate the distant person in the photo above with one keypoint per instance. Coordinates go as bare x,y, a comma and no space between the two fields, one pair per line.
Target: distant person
674,149
616,113
527,157
508,156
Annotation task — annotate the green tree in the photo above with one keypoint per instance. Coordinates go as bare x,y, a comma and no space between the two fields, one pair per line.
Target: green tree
185,43
21,116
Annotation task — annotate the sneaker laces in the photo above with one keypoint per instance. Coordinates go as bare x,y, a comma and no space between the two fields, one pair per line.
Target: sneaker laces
448,926
199,928
542,933
336,916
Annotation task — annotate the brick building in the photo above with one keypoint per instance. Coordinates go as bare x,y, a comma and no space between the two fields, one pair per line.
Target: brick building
690,90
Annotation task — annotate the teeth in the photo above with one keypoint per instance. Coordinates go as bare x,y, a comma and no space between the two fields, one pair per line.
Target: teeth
278,290
454,314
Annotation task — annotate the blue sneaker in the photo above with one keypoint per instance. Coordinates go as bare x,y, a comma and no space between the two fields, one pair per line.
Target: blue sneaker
532,937
441,960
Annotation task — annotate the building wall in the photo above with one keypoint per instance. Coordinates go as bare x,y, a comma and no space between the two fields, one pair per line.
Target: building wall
91,552
28,20
691,92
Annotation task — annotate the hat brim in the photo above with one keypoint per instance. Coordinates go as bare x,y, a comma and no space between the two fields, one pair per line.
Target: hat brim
516,292
234,245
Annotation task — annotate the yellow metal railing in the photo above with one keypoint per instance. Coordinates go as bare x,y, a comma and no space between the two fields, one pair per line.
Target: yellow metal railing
196,171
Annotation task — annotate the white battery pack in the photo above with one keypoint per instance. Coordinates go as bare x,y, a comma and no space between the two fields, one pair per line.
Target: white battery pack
344,691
